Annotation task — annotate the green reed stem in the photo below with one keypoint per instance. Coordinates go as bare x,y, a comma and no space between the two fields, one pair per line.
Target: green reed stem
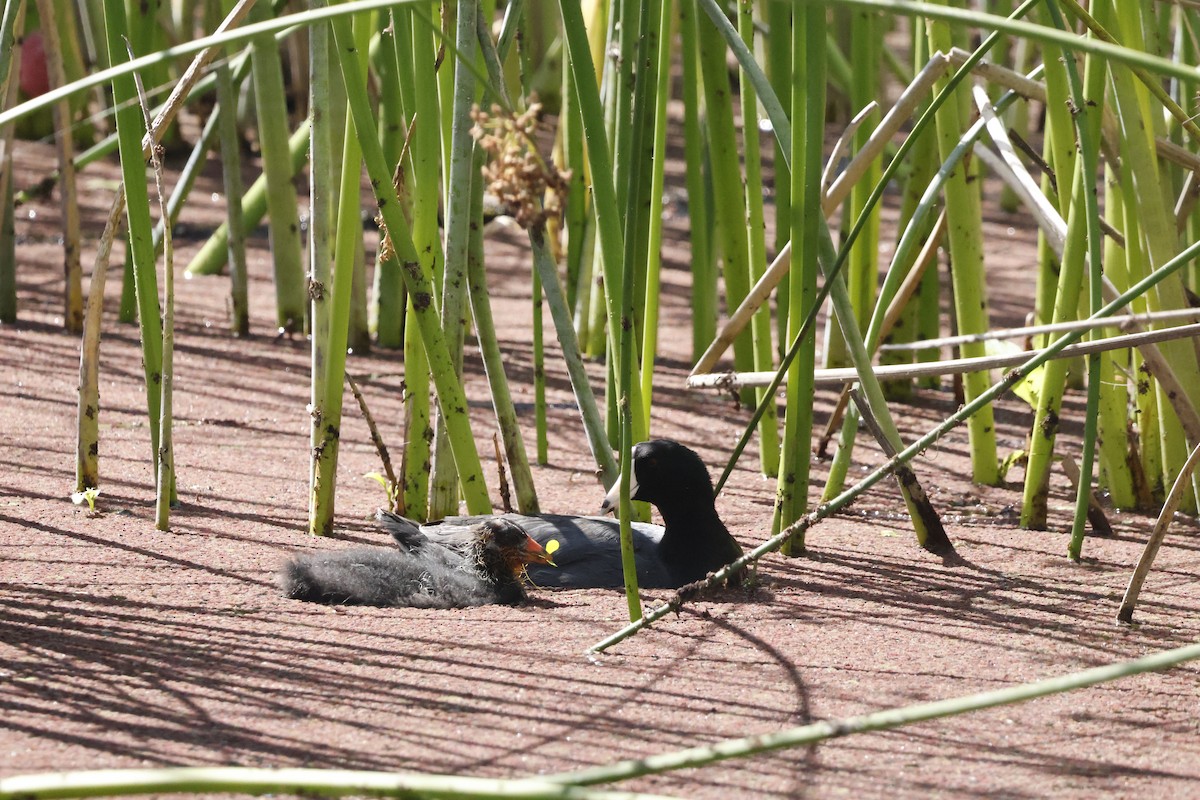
307,782
965,238
239,293
291,298
481,308
730,202
704,265
1115,473
328,414
807,135
658,159
130,129
165,477
756,252
1087,99
322,205
585,400
463,179
604,198
388,300
64,143
425,146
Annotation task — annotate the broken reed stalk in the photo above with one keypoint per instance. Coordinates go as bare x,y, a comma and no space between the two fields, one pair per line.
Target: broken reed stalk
87,441
376,438
952,366
1026,331
1182,485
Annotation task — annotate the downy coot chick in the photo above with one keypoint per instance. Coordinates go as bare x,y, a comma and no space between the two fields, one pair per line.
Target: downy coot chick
486,568
692,542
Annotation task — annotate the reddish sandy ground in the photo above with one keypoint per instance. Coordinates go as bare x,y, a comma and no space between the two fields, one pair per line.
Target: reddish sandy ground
121,646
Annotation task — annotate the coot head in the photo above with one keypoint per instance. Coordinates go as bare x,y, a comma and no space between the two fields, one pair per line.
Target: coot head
504,545
667,475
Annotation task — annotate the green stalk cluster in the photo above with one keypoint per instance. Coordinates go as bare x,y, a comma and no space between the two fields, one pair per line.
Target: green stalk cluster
451,397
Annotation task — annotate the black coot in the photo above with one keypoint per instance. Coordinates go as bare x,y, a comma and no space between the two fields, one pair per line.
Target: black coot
692,543
485,568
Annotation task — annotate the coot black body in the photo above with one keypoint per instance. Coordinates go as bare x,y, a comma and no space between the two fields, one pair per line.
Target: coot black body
485,568
691,543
